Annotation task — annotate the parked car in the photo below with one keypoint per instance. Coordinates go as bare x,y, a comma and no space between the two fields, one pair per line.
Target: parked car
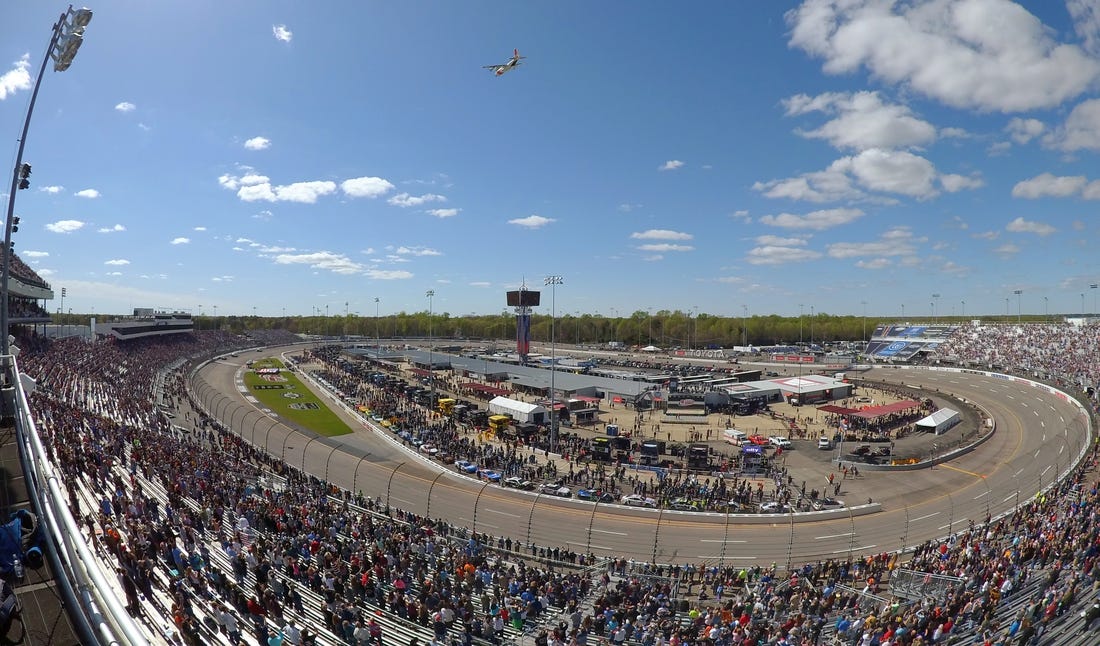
759,440
686,504
637,500
516,482
781,442
826,503
464,465
824,443
489,474
774,507
595,495
556,489
428,449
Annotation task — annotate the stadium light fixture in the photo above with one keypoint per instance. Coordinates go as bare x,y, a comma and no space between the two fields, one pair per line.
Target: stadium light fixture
553,282
65,41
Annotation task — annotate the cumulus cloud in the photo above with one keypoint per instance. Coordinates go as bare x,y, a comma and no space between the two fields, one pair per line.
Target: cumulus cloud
416,251
281,33
1080,131
982,54
253,187
17,78
365,187
404,200
34,254
52,190
117,262
89,193
780,255
388,274
1048,185
1086,22
125,106
874,170
337,263
1024,130
862,121
671,164
199,229
114,229
1020,225
65,226
532,222
896,242
814,220
660,234
257,143
665,247
954,183
1006,249
180,240
443,213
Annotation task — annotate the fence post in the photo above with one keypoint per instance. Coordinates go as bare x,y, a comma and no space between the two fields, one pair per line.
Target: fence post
428,509
390,484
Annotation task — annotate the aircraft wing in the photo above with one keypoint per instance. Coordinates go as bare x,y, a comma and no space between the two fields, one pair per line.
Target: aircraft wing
493,67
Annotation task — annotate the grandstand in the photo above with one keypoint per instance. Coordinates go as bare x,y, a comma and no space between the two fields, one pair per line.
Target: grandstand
903,341
147,322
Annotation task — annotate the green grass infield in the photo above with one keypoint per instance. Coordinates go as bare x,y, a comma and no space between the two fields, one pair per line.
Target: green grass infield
288,398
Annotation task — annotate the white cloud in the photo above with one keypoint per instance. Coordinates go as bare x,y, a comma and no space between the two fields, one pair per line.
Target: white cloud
660,234
671,164
337,263
117,262
874,263
404,200
65,226
282,33
1024,130
267,249
665,247
1048,185
300,192
262,215
829,185
222,279
1006,249
898,241
814,220
228,181
982,54
416,251
1091,190
17,78
89,193
779,241
863,121
1086,22
125,106
113,229
532,221
780,255
199,229
627,207
894,171
954,183
52,190
1081,130
480,283
180,240
35,254
1020,225
443,213
390,274
365,187
110,273
257,143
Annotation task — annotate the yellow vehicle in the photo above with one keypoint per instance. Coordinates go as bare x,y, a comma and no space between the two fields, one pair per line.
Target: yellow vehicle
499,423
446,405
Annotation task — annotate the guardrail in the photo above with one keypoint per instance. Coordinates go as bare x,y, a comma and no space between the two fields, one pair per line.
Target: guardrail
95,610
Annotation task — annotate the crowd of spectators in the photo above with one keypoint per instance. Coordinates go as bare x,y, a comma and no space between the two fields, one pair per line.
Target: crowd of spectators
1066,353
94,407
24,273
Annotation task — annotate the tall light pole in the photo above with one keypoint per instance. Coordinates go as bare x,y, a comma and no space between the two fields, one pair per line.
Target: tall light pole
1093,286
431,363
1019,308
744,330
553,281
1006,307
695,328
649,317
864,304
903,312
1082,303
935,299
964,309
578,327
67,36
811,326
800,327
377,334
1046,308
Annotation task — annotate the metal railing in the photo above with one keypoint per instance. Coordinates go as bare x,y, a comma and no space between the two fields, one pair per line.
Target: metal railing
97,615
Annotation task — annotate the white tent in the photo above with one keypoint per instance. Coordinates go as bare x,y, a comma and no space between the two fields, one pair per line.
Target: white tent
651,348
520,411
941,420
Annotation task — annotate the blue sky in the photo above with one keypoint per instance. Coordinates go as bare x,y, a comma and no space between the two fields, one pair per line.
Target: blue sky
723,156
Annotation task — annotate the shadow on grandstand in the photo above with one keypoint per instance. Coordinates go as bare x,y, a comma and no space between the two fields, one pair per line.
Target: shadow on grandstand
43,619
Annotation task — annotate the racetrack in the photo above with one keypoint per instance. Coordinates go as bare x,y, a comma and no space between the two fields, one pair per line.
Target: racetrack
1039,436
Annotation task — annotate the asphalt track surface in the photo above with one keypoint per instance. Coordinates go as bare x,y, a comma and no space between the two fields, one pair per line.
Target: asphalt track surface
1040,437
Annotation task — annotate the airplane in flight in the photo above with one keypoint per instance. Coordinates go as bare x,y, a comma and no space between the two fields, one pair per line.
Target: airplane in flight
499,70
